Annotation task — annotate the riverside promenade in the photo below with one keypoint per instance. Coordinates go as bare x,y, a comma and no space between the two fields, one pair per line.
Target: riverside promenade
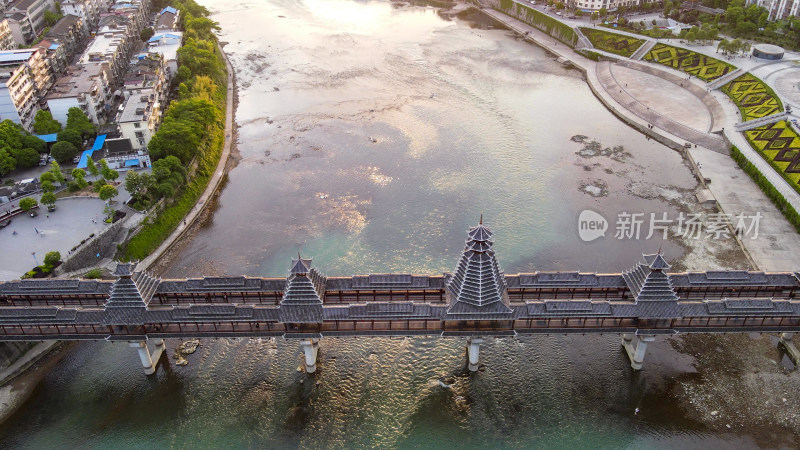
213,183
778,244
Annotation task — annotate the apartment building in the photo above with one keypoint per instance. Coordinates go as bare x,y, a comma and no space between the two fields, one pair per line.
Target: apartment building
167,20
167,45
87,87
140,117
23,77
64,40
26,18
6,39
111,46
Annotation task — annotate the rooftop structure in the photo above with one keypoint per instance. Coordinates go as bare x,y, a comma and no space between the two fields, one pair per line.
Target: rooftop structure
83,86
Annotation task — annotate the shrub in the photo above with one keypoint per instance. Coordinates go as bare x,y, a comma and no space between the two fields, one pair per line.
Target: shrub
52,258
28,203
93,274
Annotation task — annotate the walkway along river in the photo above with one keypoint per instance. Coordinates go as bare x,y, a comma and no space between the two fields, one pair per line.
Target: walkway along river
371,136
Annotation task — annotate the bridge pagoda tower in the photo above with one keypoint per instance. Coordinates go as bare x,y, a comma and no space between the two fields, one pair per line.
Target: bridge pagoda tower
301,307
477,290
655,300
126,309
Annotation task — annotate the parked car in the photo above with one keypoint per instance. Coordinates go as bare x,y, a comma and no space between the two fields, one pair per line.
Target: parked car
76,159
5,223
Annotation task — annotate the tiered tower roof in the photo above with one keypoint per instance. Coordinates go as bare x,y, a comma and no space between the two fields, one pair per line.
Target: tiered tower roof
648,281
478,285
305,288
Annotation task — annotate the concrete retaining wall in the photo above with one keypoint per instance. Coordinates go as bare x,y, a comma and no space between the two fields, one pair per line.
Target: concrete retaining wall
86,255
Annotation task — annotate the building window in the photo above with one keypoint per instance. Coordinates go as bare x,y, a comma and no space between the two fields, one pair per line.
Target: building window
139,134
137,125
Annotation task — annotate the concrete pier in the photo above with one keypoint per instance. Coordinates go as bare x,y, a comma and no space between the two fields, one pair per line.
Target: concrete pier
149,361
310,349
474,353
791,349
636,347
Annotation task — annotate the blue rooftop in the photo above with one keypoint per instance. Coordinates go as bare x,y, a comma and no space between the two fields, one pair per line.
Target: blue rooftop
168,9
99,141
160,36
84,162
47,137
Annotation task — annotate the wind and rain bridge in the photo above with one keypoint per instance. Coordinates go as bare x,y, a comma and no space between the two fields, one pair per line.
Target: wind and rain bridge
475,301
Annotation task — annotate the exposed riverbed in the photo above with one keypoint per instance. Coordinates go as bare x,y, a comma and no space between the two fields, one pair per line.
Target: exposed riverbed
371,136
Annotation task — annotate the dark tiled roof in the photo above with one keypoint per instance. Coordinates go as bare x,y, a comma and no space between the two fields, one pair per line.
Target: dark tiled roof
478,280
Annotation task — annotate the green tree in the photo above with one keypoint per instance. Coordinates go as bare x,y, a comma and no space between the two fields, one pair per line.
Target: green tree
30,141
63,151
146,34
603,12
668,6
7,162
11,135
72,136
723,46
48,186
28,203
108,192
52,258
49,199
25,157
50,18
47,177
43,123
78,173
55,169
77,120
691,37
90,165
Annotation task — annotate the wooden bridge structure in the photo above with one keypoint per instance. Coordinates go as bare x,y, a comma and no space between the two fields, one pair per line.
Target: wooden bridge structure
475,301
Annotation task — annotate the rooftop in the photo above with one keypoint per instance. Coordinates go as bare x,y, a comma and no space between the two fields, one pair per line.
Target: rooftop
119,146
139,106
77,80
64,27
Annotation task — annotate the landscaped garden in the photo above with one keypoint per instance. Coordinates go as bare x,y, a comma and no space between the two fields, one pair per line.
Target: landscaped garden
754,98
703,67
780,146
617,44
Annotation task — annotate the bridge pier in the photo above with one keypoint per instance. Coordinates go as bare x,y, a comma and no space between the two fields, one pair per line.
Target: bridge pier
636,347
149,361
310,349
791,350
473,353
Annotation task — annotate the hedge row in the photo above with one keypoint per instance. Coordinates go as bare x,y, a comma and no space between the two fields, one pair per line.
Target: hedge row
777,198
549,25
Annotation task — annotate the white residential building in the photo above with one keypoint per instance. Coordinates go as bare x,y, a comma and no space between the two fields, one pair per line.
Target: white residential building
140,117
167,45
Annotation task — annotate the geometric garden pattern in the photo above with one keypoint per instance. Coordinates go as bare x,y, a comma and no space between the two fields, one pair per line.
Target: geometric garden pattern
704,67
754,99
780,146
612,42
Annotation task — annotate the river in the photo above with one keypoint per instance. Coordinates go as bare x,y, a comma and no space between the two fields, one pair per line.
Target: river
371,136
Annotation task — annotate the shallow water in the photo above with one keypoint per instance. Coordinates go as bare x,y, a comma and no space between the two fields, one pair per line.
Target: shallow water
372,135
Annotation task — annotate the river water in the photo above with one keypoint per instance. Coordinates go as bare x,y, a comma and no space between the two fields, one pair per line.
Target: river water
371,136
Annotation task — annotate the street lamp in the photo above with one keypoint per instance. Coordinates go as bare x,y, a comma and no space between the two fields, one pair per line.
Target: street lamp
34,258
